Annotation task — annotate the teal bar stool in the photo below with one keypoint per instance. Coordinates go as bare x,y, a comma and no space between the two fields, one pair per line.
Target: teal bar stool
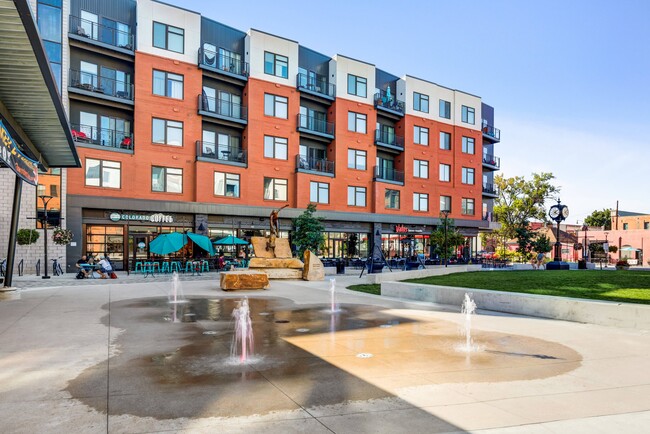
165,267
147,269
155,267
175,266
189,267
138,267
205,266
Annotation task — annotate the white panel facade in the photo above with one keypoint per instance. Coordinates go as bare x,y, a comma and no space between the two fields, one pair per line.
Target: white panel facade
465,99
345,66
435,93
257,43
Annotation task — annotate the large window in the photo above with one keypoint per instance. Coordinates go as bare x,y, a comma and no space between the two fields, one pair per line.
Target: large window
357,122
49,184
391,199
275,189
101,173
468,145
277,65
319,192
167,179
420,135
167,132
420,202
357,159
445,109
357,85
277,106
445,203
275,147
356,196
467,206
445,171
106,240
467,115
420,102
226,184
167,84
445,141
50,28
468,175
168,37
420,168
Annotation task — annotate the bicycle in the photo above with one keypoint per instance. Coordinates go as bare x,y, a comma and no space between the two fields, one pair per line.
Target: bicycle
56,267
3,267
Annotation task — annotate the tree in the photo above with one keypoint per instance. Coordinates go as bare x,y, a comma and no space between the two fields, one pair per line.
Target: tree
308,231
525,239
600,218
542,244
454,238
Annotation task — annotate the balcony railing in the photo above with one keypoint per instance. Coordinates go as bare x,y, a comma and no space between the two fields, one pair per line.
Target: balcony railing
490,189
389,138
214,151
100,33
315,125
386,174
314,164
384,100
223,108
491,160
317,84
489,217
101,85
223,62
490,131
102,137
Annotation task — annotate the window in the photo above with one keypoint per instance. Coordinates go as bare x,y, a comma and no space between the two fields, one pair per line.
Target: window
50,25
226,184
167,179
468,145
167,84
467,206
624,226
391,199
420,202
319,192
356,196
167,132
445,141
420,168
275,147
445,203
421,135
275,189
357,159
100,173
168,37
277,106
420,102
467,115
277,65
646,225
468,175
357,86
49,184
445,109
357,122
445,170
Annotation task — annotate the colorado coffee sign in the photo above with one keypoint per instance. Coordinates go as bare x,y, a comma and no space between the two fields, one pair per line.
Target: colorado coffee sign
153,218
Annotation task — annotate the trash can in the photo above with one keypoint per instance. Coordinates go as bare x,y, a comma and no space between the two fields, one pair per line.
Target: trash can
375,267
582,264
340,266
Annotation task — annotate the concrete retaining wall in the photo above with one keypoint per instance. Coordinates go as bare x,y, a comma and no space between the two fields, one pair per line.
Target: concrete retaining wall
568,309
431,270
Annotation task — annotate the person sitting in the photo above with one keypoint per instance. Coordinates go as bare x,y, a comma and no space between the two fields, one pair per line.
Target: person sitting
105,266
221,262
80,265
96,267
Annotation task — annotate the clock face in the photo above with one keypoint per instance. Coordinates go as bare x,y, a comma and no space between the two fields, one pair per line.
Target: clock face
554,212
565,211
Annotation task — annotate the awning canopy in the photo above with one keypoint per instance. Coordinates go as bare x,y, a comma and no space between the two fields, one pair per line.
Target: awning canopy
29,99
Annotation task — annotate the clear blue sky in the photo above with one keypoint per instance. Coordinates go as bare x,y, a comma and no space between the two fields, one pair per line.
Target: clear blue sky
569,80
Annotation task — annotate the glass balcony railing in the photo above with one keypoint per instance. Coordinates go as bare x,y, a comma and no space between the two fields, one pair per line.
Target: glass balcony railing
115,36
316,125
102,136
491,160
385,137
490,189
386,174
223,62
315,83
490,131
314,164
222,107
214,151
387,101
101,85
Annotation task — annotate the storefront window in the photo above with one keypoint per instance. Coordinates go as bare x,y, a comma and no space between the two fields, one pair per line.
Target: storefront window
49,184
106,240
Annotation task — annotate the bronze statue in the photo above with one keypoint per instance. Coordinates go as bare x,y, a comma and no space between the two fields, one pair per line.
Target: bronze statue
274,228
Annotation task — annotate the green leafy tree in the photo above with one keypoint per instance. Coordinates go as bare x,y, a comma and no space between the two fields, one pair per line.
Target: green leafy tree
308,232
454,238
541,244
600,218
525,238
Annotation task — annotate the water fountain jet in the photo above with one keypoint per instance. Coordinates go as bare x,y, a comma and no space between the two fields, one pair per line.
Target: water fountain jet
243,338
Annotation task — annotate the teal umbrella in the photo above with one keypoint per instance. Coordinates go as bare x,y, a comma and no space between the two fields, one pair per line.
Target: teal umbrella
230,241
165,244
202,241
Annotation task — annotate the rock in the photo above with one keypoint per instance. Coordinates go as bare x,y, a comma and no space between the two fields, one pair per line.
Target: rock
275,263
314,269
244,279
259,247
282,273
282,248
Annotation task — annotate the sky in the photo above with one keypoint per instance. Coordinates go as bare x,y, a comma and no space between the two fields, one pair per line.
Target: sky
569,79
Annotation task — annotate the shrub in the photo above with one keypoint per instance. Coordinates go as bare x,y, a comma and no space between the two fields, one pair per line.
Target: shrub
622,263
25,237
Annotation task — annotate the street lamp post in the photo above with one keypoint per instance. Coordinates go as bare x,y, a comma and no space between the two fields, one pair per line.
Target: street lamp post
446,251
46,199
585,247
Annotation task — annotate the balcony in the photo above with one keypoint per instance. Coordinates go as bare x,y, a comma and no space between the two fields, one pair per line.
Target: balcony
212,152
489,190
392,176
490,133
316,85
223,110
314,165
491,162
111,38
84,83
102,138
223,64
384,101
388,139
316,127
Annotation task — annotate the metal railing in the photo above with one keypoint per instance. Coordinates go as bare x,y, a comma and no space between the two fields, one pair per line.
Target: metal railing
489,130
389,138
101,85
312,123
222,107
317,84
223,62
98,32
387,174
387,101
491,160
489,188
489,217
217,152
102,136
314,164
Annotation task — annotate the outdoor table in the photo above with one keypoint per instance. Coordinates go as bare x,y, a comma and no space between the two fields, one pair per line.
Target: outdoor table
92,268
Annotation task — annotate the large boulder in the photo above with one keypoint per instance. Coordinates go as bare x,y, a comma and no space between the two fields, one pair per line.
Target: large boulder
243,280
314,269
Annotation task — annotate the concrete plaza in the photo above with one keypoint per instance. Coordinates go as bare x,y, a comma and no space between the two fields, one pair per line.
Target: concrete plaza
105,356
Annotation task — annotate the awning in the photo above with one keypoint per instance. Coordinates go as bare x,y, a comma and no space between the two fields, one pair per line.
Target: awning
630,249
29,99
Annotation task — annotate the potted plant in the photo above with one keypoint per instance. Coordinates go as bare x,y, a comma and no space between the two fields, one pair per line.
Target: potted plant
25,237
622,265
62,236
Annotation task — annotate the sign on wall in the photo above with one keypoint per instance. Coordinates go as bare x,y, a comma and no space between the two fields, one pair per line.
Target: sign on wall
12,157
153,218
